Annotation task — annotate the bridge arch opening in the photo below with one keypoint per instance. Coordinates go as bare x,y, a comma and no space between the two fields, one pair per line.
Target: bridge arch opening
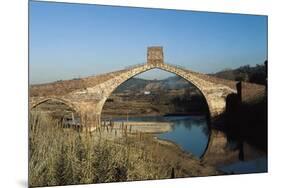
168,96
168,78
60,111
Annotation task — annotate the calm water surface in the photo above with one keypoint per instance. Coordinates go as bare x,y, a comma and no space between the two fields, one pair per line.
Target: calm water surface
191,133
244,167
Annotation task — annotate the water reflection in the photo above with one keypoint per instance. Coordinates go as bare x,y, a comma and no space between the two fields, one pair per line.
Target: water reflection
225,151
243,167
191,133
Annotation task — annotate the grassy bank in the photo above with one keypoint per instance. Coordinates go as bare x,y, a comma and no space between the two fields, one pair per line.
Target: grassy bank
59,156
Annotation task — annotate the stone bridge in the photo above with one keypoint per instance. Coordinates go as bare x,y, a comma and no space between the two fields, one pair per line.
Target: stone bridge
87,96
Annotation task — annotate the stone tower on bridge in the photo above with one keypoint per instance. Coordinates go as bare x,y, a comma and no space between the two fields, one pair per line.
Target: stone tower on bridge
155,55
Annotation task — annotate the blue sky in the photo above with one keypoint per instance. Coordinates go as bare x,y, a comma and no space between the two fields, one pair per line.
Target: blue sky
77,40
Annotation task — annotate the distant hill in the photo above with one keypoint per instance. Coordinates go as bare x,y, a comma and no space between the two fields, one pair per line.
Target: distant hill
140,85
132,84
138,97
256,74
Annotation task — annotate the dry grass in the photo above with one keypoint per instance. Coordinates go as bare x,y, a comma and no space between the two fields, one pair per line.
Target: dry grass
60,156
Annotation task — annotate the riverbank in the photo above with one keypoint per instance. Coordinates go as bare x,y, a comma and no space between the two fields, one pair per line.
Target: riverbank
220,154
63,156
185,164
166,152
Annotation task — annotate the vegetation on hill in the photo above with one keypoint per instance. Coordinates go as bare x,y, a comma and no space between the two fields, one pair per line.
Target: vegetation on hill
140,85
188,103
173,95
256,74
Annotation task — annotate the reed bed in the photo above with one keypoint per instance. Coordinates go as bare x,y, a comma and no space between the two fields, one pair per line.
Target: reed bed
64,156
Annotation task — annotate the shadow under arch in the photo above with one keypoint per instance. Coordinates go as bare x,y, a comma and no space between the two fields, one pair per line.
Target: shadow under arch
71,105
68,107
208,113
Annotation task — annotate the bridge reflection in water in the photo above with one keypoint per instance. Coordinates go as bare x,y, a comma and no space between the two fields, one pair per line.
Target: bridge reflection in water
213,147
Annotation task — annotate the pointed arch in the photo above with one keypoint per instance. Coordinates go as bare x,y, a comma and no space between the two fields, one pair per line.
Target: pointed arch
64,101
214,94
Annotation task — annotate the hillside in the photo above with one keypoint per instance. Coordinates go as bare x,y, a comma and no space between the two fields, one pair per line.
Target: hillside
256,74
138,85
138,97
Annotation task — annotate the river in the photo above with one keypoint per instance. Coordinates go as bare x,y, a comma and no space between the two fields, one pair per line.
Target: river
191,134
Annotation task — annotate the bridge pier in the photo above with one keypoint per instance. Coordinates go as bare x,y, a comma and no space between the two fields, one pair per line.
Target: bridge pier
89,121
90,116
